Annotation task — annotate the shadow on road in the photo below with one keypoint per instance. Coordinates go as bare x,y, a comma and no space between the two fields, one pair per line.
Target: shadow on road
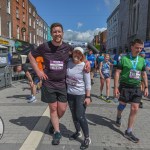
18,96
29,122
103,121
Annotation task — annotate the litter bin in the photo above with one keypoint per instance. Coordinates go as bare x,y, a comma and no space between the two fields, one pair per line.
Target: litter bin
5,71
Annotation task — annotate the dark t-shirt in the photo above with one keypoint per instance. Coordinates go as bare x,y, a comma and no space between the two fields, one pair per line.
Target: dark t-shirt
27,67
55,61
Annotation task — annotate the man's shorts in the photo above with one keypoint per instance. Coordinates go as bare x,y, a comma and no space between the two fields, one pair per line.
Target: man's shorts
36,79
130,94
49,95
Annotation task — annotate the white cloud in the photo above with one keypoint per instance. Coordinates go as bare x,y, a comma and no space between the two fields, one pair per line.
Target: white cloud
87,36
79,24
107,2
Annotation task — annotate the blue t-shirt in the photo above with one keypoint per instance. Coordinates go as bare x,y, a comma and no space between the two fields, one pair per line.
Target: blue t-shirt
100,59
147,63
91,58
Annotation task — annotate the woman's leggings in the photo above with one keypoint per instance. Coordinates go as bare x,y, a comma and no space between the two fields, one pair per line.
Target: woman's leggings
78,108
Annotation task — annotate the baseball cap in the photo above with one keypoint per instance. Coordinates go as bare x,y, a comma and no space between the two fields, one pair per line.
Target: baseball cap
79,49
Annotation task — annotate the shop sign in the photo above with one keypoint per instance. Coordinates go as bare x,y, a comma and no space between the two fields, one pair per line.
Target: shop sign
4,42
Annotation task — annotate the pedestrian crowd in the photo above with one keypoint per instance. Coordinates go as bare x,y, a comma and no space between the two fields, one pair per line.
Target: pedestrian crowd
66,75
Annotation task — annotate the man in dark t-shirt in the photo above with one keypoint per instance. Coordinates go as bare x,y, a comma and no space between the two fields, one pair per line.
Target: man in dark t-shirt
55,54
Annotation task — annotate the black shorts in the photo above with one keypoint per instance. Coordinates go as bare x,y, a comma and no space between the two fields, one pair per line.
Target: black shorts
49,95
130,94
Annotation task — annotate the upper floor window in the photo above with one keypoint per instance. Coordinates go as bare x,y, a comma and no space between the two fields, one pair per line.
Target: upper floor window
18,32
34,24
23,17
8,6
17,12
9,28
29,9
29,21
33,13
23,4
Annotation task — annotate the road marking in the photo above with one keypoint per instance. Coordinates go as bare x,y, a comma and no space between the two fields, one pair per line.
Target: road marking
36,134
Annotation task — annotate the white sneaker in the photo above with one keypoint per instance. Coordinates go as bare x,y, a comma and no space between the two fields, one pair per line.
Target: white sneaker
29,97
32,99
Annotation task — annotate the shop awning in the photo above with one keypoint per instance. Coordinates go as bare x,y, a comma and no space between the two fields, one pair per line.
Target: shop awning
1,46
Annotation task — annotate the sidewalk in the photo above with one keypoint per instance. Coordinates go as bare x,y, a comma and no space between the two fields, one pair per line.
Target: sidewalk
20,120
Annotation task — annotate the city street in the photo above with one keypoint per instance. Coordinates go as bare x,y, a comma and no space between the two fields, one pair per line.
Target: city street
26,125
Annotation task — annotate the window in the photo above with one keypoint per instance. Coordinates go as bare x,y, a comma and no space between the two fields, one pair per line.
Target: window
34,39
23,18
29,9
0,25
37,31
8,6
34,24
30,37
17,12
33,13
9,28
23,4
30,22
24,36
18,32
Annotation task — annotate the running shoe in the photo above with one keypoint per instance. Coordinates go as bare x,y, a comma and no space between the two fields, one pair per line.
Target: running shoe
75,135
29,97
118,121
102,97
107,100
85,143
56,138
131,137
32,99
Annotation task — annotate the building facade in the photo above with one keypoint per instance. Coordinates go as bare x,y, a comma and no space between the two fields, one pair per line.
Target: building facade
45,31
32,13
112,31
19,12
39,30
5,18
134,22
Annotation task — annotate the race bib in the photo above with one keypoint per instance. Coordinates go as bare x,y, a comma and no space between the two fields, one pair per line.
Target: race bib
71,81
106,71
134,74
56,65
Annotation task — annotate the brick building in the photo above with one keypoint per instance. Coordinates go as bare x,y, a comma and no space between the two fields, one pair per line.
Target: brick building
19,12
5,18
32,23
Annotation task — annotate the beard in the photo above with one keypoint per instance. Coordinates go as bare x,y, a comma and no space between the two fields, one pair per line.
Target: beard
57,39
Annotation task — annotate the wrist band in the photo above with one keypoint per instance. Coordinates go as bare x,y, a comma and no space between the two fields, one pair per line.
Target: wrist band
88,97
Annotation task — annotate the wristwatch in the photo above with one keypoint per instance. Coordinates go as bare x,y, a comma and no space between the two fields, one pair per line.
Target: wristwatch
89,97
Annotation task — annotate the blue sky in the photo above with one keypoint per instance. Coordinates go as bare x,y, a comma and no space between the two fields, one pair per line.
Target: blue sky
81,18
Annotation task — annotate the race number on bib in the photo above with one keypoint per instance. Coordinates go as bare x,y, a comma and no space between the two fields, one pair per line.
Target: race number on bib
71,81
56,65
134,74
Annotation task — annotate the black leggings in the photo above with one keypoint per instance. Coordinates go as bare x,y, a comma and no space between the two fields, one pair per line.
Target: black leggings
77,108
